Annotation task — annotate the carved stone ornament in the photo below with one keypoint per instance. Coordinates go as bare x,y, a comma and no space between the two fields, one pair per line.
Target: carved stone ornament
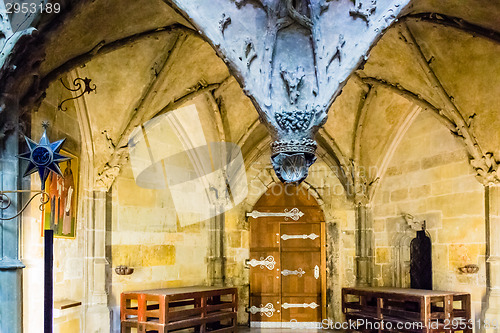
414,223
292,58
487,169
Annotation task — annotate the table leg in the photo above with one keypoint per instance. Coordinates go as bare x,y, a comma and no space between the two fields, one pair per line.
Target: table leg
448,311
380,316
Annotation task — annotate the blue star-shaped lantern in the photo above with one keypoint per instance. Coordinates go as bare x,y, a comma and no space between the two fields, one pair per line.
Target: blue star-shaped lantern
43,157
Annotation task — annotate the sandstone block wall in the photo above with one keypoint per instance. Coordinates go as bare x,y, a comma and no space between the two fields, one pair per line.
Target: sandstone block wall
430,178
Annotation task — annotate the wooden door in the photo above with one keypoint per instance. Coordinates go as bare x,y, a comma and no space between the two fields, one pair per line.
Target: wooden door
287,262
300,270
265,288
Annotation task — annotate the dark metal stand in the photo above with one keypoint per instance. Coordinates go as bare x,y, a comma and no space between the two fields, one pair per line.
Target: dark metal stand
48,280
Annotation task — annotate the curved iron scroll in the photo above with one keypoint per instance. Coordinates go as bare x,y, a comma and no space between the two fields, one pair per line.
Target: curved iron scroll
78,86
267,310
5,201
269,262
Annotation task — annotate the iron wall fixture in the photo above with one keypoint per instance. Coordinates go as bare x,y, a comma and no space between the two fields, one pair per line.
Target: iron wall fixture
78,86
123,270
469,269
5,201
43,157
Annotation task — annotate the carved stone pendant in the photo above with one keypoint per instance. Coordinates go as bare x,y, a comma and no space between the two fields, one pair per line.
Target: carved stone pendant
292,58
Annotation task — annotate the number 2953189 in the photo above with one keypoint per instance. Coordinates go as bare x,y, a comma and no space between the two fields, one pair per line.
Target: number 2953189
32,7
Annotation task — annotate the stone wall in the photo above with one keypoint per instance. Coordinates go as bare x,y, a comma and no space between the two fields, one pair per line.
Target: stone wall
430,178
144,233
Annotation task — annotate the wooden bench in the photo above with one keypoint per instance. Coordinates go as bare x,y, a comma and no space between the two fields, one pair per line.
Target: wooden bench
207,309
407,310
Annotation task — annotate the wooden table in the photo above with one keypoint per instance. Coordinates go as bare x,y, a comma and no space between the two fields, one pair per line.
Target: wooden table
428,310
207,309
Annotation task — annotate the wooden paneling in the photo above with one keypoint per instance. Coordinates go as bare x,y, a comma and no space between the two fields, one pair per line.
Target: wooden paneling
265,280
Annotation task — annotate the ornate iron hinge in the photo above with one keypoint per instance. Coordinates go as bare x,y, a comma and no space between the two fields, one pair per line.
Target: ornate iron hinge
310,236
267,310
269,262
294,214
299,272
303,305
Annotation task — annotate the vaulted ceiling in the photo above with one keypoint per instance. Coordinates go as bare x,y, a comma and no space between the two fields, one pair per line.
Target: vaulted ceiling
146,59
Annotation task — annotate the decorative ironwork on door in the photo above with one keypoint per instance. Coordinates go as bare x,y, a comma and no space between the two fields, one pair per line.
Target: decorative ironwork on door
269,262
267,310
299,272
312,236
312,305
294,213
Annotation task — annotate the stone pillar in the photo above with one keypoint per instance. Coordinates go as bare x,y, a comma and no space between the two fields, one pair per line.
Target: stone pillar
364,245
97,316
492,313
216,258
10,265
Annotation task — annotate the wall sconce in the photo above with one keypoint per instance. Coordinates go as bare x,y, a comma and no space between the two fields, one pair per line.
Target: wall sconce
469,269
123,270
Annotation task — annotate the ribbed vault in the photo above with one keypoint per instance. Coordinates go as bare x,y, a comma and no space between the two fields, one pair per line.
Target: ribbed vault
146,59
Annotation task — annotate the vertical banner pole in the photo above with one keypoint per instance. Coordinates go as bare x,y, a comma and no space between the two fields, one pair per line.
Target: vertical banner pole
48,280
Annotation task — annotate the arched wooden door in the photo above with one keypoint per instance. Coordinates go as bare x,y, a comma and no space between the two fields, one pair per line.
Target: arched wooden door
287,258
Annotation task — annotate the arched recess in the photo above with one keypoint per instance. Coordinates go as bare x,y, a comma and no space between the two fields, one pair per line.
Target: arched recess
287,258
322,185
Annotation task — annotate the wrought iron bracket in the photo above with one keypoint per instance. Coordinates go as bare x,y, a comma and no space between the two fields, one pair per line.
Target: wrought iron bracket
88,88
6,201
